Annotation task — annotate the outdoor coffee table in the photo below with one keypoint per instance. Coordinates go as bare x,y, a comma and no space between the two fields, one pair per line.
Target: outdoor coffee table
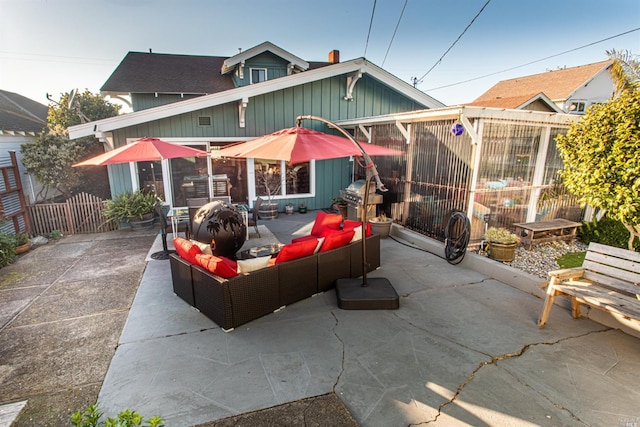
260,251
546,231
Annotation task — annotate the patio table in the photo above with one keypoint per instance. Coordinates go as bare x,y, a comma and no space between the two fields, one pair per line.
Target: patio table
546,231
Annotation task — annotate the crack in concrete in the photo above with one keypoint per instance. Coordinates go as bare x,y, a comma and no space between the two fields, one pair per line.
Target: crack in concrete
495,359
455,285
333,330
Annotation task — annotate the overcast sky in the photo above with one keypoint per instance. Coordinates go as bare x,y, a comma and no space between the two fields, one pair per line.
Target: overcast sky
53,46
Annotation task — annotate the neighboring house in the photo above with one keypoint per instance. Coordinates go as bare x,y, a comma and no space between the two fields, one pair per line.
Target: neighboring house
209,102
21,119
568,90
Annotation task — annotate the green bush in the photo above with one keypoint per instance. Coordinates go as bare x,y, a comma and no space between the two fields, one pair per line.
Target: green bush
607,231
128,418
130,206
7,249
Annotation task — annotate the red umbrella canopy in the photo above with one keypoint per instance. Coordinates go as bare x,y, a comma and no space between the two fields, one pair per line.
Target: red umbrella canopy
145,149
299,145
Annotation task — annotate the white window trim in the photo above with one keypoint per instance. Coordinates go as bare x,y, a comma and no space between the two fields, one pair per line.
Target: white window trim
251,177
266,75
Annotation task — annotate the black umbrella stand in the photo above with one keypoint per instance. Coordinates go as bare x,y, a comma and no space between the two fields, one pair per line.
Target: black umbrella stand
363,293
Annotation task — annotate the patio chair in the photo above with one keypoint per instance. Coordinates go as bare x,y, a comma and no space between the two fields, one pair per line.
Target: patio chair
165,228
194,204
253,218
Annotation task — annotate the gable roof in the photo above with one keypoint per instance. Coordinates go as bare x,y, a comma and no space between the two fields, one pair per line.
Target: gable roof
142,72
519,102
557,84
21,115
360,65
230,63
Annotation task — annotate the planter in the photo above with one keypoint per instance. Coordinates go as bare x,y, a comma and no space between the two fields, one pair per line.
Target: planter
268,211
288,209
505,252
302,209
22,248
142,224
383,228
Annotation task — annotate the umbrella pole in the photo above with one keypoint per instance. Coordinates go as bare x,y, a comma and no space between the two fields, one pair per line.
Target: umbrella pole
365,294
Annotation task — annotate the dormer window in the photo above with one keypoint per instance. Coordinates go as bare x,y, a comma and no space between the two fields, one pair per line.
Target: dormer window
578,107
258,75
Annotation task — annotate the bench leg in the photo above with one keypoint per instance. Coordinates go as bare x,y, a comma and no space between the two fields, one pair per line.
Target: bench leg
548,303
575,308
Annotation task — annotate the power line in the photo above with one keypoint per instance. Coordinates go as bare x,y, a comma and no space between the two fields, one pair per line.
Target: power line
416,81
370,25
537,60
394,32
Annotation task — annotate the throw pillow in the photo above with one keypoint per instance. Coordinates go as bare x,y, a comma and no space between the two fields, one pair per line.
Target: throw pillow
303,238
205,248
320,242
337,239
296,250
221,266
350,224
186,250
248,265
324,220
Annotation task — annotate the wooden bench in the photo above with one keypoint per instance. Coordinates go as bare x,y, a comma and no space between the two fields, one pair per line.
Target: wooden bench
609,280
546,231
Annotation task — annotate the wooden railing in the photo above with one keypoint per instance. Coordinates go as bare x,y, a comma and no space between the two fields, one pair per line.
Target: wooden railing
83,213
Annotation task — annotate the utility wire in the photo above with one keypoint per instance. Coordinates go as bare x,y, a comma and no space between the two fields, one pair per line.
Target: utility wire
537,60
394,32
370,25
454,43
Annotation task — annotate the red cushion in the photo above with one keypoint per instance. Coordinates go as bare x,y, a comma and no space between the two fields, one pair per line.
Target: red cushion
297,250
303,238
323,220
337,239
221,266
186,249
350,224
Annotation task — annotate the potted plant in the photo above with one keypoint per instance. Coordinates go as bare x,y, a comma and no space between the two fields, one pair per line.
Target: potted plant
381,225
271,183
288,208
302,208
502,244
22,243
340,205
136,209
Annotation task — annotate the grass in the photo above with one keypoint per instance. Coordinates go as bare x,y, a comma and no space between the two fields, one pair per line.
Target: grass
571,259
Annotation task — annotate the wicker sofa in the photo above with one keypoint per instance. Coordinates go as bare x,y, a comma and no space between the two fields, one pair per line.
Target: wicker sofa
241,299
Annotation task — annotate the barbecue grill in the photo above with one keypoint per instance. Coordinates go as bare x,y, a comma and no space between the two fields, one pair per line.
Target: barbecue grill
354,196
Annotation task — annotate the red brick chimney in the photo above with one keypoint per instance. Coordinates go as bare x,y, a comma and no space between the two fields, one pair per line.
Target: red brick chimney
334,56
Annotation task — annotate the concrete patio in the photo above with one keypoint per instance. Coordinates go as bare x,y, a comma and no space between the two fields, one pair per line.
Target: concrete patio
463,349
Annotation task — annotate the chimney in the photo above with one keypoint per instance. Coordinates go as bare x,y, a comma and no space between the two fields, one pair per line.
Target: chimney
334,56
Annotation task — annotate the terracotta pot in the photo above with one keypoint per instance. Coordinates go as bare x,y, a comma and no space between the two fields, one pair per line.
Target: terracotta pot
23,248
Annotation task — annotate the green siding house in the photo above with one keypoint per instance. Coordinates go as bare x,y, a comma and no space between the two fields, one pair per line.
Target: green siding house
209,102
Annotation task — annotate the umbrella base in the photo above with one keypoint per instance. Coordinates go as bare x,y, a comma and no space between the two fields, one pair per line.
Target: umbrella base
161,255
378,295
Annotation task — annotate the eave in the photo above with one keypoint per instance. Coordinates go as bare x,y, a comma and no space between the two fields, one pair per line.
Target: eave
245,92
230,64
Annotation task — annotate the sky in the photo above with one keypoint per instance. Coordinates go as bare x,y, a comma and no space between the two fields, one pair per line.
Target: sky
53,46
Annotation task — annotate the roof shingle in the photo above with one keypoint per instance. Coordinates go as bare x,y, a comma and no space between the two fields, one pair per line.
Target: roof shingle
21,114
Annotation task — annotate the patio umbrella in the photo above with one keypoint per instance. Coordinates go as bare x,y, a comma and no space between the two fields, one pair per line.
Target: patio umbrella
144,149
299,145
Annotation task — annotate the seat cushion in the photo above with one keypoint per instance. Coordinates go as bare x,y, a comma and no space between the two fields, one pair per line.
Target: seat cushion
220,266
297,250
326,220
186,249
337,239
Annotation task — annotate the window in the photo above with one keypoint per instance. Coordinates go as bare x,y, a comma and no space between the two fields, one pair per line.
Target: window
577,107
270,182
258,75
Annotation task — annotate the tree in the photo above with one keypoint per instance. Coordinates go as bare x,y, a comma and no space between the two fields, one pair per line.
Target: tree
601,155
50,157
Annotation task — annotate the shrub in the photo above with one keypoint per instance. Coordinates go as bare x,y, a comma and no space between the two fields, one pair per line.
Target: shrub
607,231
7,249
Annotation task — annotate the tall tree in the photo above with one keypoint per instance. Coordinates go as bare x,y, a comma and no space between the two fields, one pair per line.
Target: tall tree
50,157
601,152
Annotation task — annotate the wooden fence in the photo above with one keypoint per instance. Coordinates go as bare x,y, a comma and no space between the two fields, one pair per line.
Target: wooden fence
83,213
